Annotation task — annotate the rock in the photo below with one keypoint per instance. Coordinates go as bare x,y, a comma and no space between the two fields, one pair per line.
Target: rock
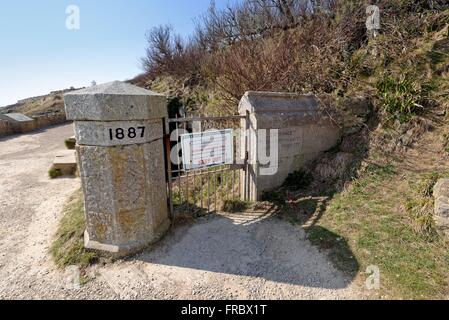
441,189
441,209
442,225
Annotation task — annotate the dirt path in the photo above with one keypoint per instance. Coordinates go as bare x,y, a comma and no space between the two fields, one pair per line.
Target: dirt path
30,208
234,256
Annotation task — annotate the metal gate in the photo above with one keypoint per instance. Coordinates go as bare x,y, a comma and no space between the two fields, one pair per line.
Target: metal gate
204,189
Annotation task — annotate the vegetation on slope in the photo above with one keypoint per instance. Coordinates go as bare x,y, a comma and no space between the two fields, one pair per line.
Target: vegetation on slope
300,46
37,106
387,222
378,210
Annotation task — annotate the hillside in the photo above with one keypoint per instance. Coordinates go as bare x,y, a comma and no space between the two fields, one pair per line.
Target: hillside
370,200
41,105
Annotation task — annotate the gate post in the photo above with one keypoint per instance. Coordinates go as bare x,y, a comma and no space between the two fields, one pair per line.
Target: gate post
301,130
119,134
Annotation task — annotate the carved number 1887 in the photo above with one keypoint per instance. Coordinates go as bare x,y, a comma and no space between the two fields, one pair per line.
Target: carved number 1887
120,133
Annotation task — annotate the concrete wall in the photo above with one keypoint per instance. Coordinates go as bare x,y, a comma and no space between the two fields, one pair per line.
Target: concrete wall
50,120
304,132
8,127
5,128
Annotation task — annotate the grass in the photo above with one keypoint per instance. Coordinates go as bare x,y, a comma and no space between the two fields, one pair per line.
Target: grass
70,144
413,262
212,190
54,173
420,202
68,246
399,98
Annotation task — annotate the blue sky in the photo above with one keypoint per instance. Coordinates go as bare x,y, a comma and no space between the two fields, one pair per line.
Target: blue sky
39,54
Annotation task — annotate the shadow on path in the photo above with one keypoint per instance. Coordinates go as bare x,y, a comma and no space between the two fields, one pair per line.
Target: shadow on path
248,244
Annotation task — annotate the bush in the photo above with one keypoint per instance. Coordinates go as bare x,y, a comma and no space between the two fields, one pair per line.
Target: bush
70,144
54,173
399,98
260,45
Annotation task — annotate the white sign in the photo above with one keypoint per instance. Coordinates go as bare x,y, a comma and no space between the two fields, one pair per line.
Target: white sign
208,148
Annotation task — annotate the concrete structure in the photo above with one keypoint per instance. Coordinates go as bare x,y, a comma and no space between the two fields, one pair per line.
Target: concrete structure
6,128
19,123
304,132
16,123
65,161
119,131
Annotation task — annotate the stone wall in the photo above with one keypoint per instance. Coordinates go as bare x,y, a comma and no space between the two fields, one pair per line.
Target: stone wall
11,127
50,120
304,132
5,128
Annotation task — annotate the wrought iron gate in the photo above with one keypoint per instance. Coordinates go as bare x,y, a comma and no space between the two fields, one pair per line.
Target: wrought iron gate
206,189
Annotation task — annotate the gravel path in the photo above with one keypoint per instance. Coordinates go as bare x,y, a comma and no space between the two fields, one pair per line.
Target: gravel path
241,256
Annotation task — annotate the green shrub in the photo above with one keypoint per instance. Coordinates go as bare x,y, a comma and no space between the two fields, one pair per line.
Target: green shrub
70,144
399,98
54,173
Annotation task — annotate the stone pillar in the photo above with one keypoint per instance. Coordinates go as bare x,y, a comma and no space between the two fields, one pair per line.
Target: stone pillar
303,133
119,134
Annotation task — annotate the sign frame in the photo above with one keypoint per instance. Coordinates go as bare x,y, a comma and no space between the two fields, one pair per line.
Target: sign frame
189,157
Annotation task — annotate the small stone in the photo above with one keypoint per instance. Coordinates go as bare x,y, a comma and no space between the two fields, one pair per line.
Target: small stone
441,189
442,207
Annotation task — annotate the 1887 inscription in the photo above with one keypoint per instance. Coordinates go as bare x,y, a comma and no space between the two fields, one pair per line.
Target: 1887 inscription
131,133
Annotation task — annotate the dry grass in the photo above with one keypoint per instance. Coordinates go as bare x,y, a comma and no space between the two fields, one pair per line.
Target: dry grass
68,246
50,104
